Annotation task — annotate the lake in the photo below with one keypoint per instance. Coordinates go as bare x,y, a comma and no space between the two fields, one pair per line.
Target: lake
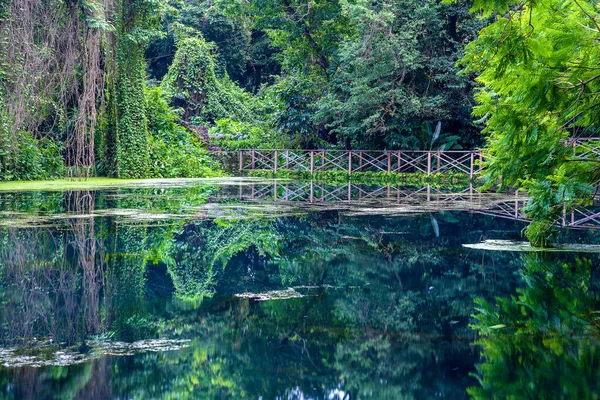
288,290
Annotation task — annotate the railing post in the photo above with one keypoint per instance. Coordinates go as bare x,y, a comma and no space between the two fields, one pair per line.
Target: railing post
472,167
399,161
241,160
480,160
275,161
439,161
322,160
253,160
360,160
428,164
287,159
389,162
312,166
349,162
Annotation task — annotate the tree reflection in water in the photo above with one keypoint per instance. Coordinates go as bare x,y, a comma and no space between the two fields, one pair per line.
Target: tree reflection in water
383,309
543,341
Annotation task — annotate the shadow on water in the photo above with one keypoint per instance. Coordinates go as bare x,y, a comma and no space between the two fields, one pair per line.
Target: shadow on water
198,292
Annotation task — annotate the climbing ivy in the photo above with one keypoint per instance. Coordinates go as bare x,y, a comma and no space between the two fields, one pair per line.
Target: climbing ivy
193,84
127,136
131,144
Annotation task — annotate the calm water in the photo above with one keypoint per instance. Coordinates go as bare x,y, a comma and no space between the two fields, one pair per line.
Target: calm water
188,291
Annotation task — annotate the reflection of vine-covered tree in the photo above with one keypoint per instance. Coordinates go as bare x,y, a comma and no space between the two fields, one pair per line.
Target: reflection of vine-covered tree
67,283
543,342
202,250
383,302
384,281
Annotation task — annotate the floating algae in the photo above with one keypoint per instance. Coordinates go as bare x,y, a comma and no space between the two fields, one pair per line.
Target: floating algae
510,245
286,294
64,185
46,354
295,292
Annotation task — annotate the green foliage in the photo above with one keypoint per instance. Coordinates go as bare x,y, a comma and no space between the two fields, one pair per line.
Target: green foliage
233,135
397,75
127,143
295,101
174,152
538,70
131,142
542,341
446,180
193,84
28,158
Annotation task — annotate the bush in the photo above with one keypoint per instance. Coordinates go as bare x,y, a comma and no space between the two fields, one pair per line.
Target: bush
175,152
23,157
234,135
187,161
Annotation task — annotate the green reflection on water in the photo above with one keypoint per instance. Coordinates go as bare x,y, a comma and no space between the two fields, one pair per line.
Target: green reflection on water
116,307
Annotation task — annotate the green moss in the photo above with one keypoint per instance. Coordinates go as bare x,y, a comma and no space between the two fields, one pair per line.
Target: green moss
91,184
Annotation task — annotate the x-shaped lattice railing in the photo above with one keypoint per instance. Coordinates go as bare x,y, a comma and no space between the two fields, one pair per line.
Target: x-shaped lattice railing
368,161
459,162
409,162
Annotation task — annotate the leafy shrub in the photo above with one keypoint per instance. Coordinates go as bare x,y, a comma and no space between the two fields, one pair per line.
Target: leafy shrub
175,152
23,157
189,160
193,84
234,135
446,180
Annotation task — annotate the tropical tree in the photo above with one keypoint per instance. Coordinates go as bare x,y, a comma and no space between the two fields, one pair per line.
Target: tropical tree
538,70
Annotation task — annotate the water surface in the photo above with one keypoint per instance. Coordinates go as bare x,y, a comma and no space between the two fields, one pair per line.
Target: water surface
241,290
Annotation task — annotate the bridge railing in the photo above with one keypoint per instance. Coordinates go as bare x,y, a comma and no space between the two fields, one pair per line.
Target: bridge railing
399,161
424,199
467,162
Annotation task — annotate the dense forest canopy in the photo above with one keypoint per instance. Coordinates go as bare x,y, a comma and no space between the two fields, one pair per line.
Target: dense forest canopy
124,87
141,88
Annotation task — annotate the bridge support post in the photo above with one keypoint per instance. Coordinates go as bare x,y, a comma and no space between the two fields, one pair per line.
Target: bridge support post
349,162
399,154
360,160
472,167
428,164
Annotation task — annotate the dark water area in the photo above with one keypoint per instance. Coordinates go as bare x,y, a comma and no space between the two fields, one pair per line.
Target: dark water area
226,291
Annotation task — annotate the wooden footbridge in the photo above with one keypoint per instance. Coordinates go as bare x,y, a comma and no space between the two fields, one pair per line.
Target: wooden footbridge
353,161
468,162
395,161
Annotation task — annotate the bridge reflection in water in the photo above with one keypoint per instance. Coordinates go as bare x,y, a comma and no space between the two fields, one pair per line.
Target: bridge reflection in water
401,199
